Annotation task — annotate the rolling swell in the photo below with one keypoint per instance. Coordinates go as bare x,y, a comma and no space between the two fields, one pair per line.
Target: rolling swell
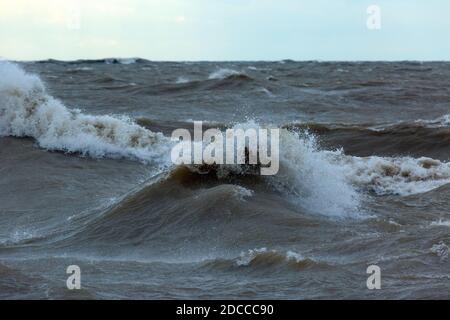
262,259
228,80
404,139
176,215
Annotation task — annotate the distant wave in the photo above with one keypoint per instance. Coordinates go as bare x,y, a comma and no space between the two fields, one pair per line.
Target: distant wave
440,122
226,73
96,61
224,79
263,259
181,80
418,138
121,60
253,68
17,237
440,223
79,69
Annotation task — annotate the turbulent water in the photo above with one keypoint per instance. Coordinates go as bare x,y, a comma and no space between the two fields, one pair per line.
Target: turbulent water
86,179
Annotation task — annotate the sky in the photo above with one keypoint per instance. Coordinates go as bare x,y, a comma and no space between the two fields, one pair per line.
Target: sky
225,29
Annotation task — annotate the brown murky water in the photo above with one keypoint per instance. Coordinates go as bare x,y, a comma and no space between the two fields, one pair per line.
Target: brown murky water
364,179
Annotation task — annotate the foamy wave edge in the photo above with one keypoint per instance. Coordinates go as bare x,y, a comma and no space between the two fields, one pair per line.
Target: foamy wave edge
26,110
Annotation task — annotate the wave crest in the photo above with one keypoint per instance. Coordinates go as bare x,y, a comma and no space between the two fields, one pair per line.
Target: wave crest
28,111
264,259
399,176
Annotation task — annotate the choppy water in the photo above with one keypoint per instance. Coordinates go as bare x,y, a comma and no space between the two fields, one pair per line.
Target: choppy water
86,179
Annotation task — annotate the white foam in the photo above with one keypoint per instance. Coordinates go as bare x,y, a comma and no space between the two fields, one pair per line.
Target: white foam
314,179
241,193
181,80
223,73
440,223
400,176
246,258
253,68
307,176
291,255
332,179
441,250
333,183
84,69
26,110
443,121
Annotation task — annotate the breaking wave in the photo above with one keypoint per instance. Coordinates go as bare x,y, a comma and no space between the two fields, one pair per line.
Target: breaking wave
398,176
381,175
26,110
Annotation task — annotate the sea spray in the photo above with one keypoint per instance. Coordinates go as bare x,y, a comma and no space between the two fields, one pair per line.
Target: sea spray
26,110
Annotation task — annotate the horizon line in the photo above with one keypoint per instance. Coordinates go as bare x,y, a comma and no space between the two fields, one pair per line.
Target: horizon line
207,60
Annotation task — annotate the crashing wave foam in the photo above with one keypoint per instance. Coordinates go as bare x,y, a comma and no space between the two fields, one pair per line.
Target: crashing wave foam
307,176
382,175
312,178
330,181
26,110
399,176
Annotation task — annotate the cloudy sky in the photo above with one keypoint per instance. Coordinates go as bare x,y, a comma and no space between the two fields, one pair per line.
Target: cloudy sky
224,29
